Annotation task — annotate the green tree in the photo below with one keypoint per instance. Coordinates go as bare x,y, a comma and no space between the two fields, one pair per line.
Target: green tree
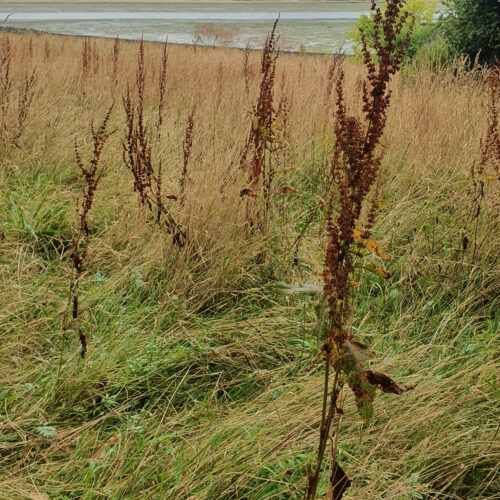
424,30
472,28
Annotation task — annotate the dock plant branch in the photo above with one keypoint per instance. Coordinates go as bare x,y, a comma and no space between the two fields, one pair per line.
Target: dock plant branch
92,173
138,155
350,216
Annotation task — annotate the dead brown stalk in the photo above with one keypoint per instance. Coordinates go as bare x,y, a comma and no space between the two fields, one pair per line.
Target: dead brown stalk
138,157
86,57
246,67
490,145
354,173
488,172
186,147
256,158
162,80
25,96
5,80
13,120
116,60
92,174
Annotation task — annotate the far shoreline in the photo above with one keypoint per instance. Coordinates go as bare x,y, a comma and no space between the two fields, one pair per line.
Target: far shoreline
35,32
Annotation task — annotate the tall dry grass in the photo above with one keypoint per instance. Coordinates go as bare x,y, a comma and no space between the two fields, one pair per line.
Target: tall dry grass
200,379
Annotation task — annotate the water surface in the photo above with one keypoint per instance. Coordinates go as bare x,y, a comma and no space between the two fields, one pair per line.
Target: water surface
314,26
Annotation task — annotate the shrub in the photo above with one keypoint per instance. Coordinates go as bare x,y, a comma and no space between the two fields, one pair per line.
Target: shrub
434,55
471,27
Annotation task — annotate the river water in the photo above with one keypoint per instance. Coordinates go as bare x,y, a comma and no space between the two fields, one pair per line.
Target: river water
313,26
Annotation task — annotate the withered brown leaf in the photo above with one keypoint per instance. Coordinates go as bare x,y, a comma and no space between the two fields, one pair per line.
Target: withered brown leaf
364,383
369,244
385,383
339,482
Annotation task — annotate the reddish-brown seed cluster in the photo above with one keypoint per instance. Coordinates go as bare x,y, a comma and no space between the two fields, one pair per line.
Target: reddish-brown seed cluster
333,68
487,173
186,146
265,141
92,175
5,83
116,58
252,157
355,166
354,174
162,80
12,119
91,61
138,156
96,58
46,50
25,97
5,76
86,57
246,67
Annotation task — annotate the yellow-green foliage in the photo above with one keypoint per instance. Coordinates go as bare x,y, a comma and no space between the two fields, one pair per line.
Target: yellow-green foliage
424,31
423,10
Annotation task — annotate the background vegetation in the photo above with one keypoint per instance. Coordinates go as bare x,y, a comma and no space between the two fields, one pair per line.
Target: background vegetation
464,28
424,29
471,29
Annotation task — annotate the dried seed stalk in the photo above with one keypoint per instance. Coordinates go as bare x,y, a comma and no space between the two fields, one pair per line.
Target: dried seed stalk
86,57
487,173
186,146
138,157
30,49
262,117
162,80
490,145
92,174
96,58
116,59
246,67
12,127
25,97
5,80
256,158
355,173
335,64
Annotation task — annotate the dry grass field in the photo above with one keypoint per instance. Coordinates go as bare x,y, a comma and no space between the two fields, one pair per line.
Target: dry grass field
201,378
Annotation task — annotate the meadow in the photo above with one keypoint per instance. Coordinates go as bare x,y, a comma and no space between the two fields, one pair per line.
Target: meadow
202,376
